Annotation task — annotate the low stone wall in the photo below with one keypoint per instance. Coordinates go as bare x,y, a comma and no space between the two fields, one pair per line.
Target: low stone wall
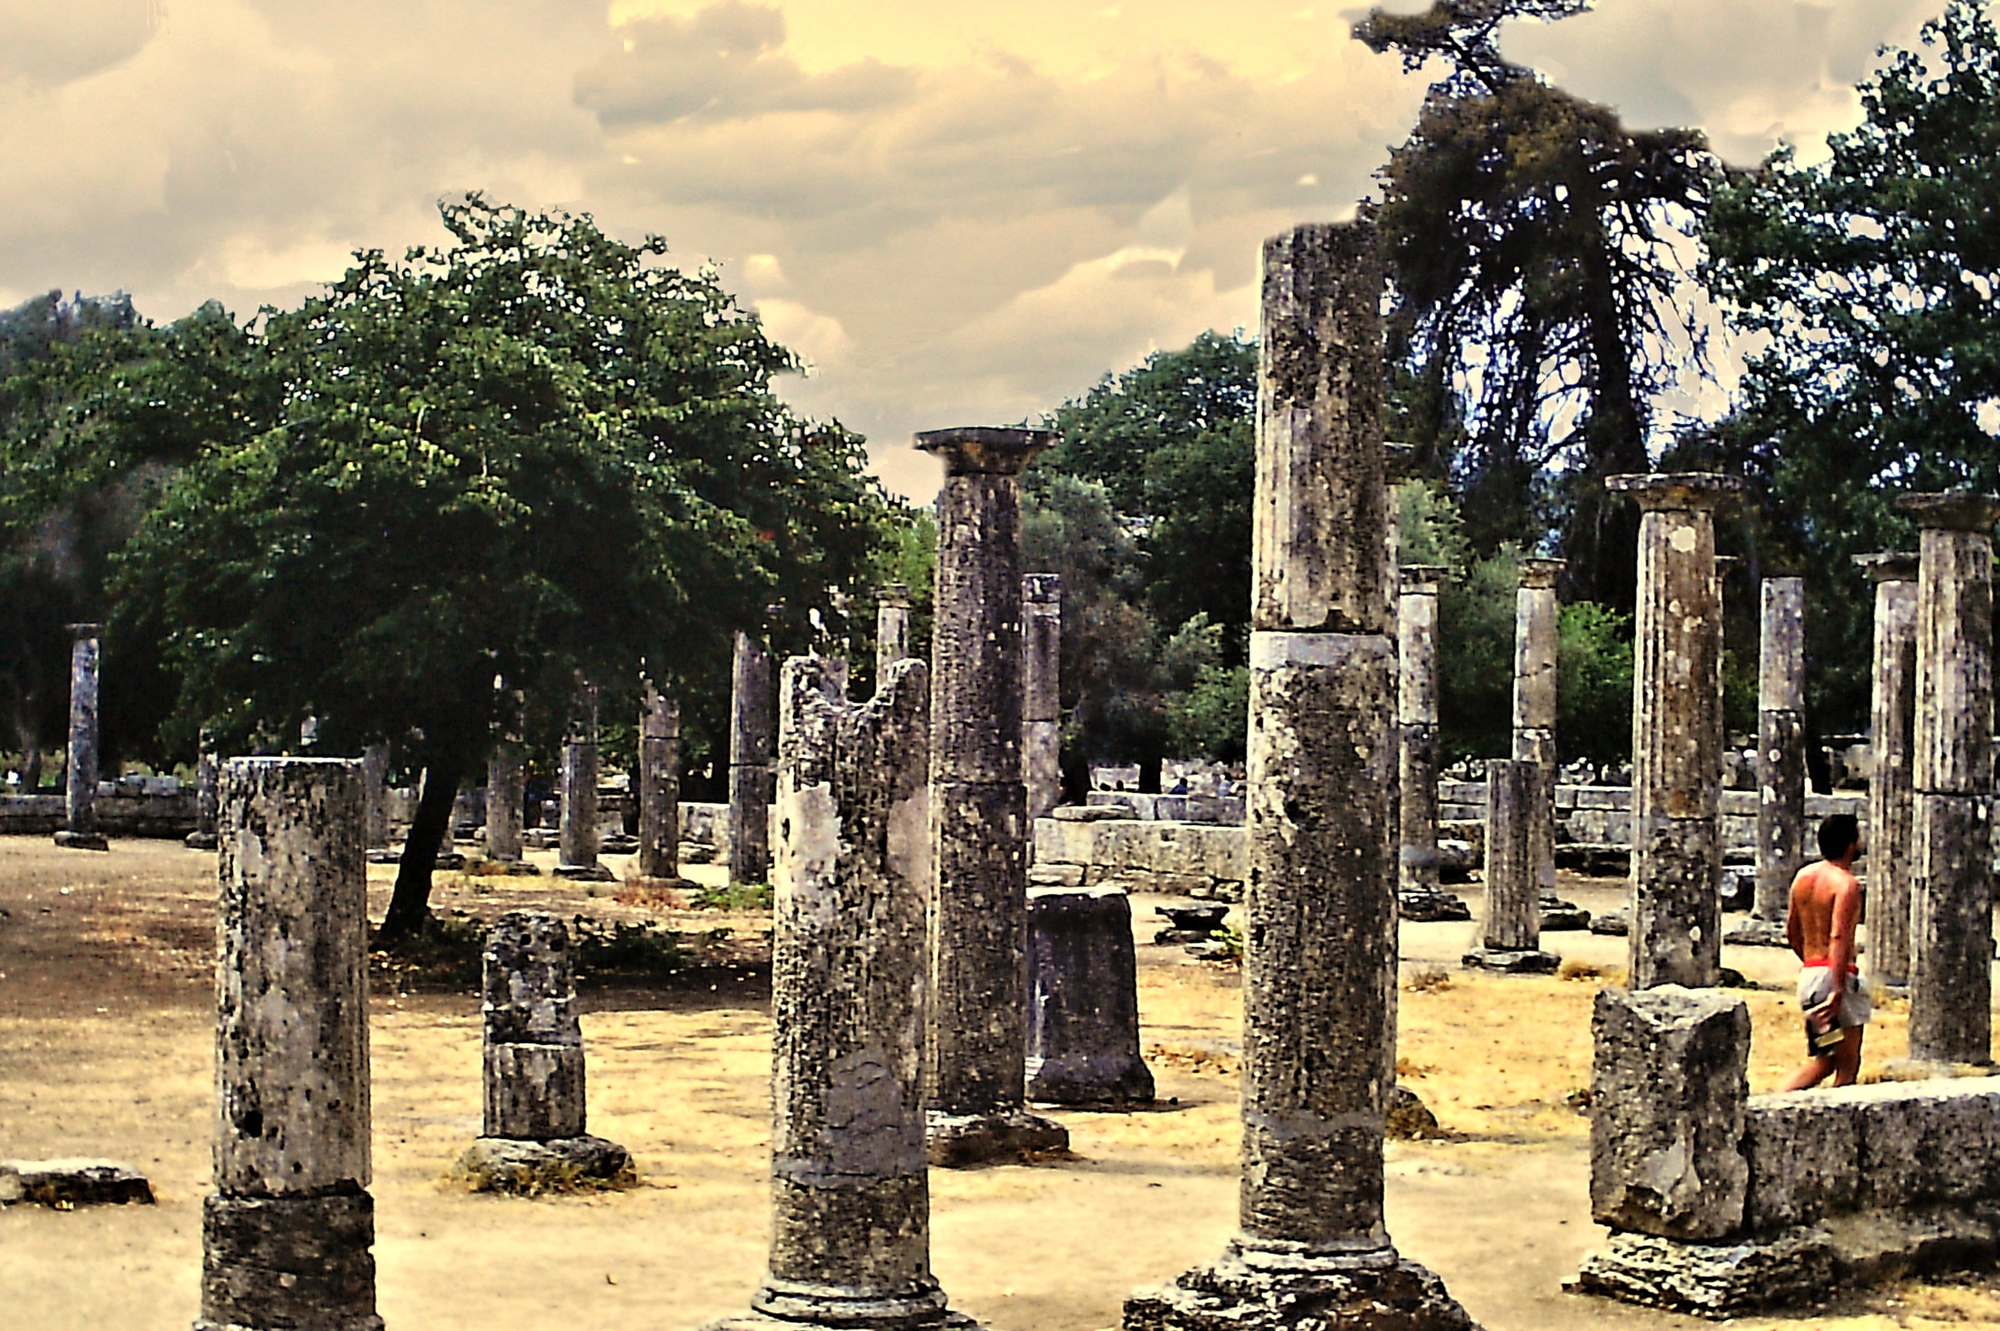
118,815
1226,809
1602,815
1198,860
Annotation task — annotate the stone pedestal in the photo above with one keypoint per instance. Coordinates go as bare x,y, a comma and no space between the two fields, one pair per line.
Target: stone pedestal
892,628
1510,937
660,787
375,794
80,773
1676,926
506,792
287,1233
1781,746
1892,716
1083,999
750,763
576,846
976,1070
1041,708
1319,976
207,775
1418,894
850,1192
1951,844
1537,632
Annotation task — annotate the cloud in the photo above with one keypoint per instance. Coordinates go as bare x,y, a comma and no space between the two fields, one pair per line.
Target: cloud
43,44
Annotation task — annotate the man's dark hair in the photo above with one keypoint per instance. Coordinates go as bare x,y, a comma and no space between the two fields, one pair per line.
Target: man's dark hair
1837,833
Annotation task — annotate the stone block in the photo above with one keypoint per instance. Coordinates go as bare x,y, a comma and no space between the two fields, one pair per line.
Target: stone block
1604,797
1804,1153
1083,1000
1712,1279
534,1091
67,1183
1669,1089
1062,841
566,1164
1925,1141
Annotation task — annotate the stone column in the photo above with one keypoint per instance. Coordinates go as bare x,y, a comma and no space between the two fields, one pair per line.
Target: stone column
1510,933
1781,746
287,1233
750,763
660,786
892,628
1537,627
1083,999
1319,977
80,773
850,1193
1951,844
1676,935
506,791
1892,716
979,827
1418,894
207,773
375,794
577,839
1041,709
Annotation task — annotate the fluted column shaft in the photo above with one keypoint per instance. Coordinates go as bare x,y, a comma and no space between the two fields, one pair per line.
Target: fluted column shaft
1537,627
1892,716
1417,728
1041,663
1781,745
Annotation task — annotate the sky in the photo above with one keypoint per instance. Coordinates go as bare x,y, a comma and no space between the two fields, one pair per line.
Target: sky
958,213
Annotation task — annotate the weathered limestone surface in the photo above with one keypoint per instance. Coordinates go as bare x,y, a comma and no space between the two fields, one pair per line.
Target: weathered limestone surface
1083,1000
892,628
1781,746
660,786
1669,1086
976,1073
287,1233
1676,934
1041,709
1537,616
208,773
749,762
375,793
506,787
1951,850
80,831
1892,716
850,1233
67,1183
1319,980
1510,935
1419,895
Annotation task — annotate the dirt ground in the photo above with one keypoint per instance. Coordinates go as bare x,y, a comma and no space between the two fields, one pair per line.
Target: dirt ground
105,1050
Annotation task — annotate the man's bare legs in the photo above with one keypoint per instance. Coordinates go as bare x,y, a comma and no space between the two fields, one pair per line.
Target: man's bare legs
1844,1063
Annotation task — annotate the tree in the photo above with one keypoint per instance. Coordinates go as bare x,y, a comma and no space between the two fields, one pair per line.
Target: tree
533,456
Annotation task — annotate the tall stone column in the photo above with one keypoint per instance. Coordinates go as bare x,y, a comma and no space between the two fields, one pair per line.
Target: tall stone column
850,1191
287,1233
1041,709
1418,894
1892,716
577,838
1319,977
1510,931
506,793
1537,632
207,775
1951,846
80,774
976,1074
1676,930
750,763
660,786
892,628
375,796
1781,747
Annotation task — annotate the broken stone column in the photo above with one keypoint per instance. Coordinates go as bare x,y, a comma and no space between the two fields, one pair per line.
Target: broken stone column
1676,935
1419,897
287,1233
1892,716
1083,999
1951,845
976,1072
506,793
850,1192
892,628
533,1136
1319,973
1537,632
207,773
375,791
80,772
577,837
750,763
660,787
1781,747
1041,708
1510,931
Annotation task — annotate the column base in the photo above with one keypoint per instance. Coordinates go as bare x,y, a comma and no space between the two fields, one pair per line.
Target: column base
288,1264
1098,1079
585,873
839,1316
953,1140
199,841
1558,917
566,1164
82,841
1757,933
1364,1292
1429,907
1511,963
503,869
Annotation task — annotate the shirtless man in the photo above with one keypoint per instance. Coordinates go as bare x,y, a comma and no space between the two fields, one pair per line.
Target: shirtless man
1826,906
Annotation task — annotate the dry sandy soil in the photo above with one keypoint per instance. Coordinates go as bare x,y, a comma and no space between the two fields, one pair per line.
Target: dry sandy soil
105,1047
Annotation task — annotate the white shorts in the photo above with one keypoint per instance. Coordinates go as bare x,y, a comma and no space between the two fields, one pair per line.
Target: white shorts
1816,986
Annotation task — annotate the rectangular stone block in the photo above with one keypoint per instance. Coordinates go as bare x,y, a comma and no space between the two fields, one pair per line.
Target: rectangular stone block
1061,842
1604,797
534,1092
1926,1141
1804,1153
1669,1091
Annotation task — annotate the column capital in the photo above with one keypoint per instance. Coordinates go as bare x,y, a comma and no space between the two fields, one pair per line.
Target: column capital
1672,490
1538,574
984,450
1042,588
85,630
1888,566
1951,510
1422,579
895,595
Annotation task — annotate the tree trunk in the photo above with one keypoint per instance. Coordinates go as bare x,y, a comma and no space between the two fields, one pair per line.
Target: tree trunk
410,905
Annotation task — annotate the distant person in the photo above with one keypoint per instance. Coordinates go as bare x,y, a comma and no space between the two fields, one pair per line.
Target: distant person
1826,907
1180,787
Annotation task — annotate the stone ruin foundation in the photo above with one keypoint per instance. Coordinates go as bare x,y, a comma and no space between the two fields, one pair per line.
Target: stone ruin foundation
1083,999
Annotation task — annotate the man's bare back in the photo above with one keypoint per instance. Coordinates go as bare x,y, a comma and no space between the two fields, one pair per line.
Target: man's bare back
1826,906
1821,924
